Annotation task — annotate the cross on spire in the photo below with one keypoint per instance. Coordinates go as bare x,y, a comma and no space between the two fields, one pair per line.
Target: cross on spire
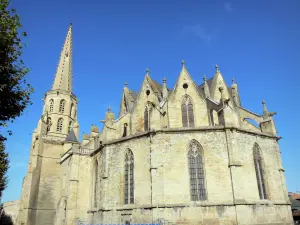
182,63
217,68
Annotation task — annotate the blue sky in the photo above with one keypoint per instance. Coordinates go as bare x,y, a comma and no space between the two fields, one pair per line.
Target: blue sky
256,42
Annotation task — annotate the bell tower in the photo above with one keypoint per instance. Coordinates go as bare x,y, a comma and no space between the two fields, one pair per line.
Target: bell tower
60,104
40,191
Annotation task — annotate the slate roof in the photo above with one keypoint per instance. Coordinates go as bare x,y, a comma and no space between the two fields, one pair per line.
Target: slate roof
71,137
295,203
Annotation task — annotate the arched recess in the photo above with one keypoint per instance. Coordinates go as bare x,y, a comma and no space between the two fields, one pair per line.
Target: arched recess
196,171
187,111
71,110
129,177
147,115
260,172
95,197
214,117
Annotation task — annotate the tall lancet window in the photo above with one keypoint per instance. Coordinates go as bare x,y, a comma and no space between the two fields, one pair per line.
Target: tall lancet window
196,171
51,103
147,114
62,106
96,183
71,110
59,125
187,111
70,126
260,173
129,177
49,123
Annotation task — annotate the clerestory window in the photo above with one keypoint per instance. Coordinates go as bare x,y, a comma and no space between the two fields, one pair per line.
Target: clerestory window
187,111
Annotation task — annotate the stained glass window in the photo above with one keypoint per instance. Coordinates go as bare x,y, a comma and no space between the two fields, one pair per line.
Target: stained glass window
129,177
196,170
187,111
260,173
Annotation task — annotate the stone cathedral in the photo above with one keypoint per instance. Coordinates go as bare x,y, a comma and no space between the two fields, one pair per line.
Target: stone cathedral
187,155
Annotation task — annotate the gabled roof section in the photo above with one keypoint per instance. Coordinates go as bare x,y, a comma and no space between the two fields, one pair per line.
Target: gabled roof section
71,137
156,87
184,73
63,76
128,100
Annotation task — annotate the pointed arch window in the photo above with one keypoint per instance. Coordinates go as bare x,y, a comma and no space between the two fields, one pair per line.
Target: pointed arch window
62,106
51,103
96,183
187,111
147,114
260,173
49,123
71,110
103,161
59,125
129,177
196,171
70,126
124,130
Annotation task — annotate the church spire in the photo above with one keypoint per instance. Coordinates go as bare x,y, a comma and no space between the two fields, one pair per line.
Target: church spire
63,76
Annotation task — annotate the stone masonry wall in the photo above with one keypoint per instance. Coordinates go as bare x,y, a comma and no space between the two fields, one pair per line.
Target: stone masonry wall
162,181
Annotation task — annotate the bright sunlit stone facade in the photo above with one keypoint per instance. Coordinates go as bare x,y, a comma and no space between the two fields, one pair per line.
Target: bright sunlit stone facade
187,155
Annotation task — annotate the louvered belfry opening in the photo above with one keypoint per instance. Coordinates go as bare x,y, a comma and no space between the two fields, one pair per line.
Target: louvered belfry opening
187,111
129,177
260,173
59,125
196,171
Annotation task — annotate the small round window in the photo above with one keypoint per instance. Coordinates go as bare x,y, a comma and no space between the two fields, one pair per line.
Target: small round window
185,85
148,92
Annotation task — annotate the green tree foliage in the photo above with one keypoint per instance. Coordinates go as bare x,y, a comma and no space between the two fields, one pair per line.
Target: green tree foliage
14,90
5,219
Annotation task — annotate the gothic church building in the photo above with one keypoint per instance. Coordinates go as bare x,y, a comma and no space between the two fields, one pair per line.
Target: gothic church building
186,155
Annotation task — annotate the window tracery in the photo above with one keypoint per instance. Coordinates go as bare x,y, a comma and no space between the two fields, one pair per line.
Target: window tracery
129,177
187,111
196,171
260,173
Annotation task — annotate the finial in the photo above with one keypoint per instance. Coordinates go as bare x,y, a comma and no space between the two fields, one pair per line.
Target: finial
204,78
264,102
147,71
126,84
217,68
165,80
70,24
233,82
108,110
182,63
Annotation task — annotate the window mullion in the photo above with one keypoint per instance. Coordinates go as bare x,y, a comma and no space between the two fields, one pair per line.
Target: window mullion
259,179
